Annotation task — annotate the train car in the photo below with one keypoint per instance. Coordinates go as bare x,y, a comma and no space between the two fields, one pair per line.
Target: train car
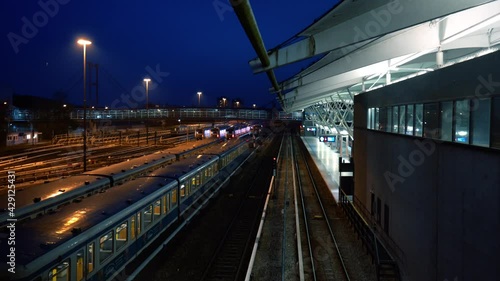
96,238
48,197
202,133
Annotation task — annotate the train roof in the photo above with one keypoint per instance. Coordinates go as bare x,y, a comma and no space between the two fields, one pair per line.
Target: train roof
38,236
184,167
25,196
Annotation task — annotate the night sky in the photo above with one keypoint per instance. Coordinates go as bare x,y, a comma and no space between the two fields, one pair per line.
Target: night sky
196,45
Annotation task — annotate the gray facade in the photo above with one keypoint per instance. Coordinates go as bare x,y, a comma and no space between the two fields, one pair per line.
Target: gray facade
440,199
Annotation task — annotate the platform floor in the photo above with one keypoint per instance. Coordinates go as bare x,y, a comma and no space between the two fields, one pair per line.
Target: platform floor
327,160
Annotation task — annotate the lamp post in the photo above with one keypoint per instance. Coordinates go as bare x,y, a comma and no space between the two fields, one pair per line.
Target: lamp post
199,97
224,99
84,43
237,104
147,80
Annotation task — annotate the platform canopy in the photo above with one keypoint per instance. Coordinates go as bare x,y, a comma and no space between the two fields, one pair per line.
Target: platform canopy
365,44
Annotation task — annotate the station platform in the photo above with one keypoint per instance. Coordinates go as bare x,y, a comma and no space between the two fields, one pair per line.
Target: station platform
326,158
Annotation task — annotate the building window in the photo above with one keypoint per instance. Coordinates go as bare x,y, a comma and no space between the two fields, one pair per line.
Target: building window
409,120
370,118
495,123
446,120
462,116
419,119
395,119
389,119
377,119
480,122
431,120
402,119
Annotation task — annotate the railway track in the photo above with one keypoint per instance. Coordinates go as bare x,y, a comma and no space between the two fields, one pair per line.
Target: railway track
229,259
52,163
323,259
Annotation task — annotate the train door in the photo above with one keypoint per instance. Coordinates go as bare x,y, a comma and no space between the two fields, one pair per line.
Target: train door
61,272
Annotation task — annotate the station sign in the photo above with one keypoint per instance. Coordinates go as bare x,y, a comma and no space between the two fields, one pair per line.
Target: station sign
327,138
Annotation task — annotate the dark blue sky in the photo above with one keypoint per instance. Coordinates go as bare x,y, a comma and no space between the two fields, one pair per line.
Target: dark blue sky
201,48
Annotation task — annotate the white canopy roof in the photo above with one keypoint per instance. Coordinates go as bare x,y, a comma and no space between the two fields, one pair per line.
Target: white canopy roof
372,43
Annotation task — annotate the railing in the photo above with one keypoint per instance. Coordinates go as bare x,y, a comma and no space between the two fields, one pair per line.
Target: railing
385,265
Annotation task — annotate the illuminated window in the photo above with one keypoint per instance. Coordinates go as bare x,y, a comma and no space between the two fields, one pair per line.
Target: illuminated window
147,215
165,203
446,120
60,272
174,196
462,119
157,210
121,235
480,122
90,257
138,224
105,246
79,266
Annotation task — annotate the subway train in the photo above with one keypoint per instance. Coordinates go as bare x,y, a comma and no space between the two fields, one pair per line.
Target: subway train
237,130
97,237
48,197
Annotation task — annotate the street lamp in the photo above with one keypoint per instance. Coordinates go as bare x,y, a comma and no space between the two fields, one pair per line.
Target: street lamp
84,43
224,99
237,104
147,80
254,105
199,96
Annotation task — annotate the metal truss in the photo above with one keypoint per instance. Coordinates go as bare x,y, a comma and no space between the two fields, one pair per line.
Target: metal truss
334,112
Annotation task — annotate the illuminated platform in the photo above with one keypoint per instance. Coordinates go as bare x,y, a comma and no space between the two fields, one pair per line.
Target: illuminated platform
326,158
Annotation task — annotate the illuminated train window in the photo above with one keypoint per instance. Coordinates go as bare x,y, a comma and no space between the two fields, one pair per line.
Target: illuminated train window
121,235
106,246
60,272
157,210
147,214
90,257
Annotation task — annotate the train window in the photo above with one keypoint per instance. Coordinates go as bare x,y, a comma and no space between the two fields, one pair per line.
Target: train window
193,182
121,235
61,272
79,266
198,180
165,203
174,196
147,215
138,224
90,257
105,246
157,210
183,190
132,227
